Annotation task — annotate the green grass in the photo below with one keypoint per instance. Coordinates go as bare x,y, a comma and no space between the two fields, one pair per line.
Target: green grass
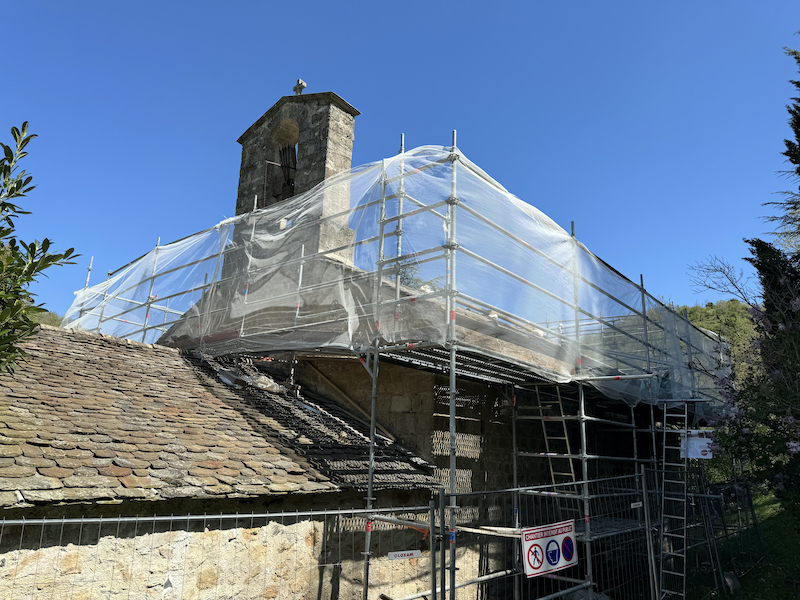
781,531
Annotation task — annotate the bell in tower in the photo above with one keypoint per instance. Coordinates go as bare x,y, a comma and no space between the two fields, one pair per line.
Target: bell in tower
288,169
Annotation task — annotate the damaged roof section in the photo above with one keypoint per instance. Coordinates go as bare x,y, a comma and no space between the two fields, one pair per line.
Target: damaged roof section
94,418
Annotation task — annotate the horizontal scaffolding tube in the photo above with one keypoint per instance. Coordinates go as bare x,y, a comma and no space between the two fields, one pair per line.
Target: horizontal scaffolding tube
417,211
616,377
403,523
581,456
576,418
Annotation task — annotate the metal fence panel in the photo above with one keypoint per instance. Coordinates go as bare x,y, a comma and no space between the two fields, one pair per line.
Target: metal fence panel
611,539
285,556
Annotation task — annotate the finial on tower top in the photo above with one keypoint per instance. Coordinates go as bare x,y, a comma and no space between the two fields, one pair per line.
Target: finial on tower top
298,89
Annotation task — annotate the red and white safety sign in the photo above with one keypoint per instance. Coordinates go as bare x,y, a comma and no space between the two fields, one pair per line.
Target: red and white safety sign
549,548
697,444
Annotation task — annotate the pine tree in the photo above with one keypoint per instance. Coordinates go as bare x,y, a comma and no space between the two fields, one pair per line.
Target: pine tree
788,223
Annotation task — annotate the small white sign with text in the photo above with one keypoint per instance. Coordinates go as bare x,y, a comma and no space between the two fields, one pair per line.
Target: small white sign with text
405,554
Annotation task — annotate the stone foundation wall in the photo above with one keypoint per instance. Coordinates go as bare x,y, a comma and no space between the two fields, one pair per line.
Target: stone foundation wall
301,561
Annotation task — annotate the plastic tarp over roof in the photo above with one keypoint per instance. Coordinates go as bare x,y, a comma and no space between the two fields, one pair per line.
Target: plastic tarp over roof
421,249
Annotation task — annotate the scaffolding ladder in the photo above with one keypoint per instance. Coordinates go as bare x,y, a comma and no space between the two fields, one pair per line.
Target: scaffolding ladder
558,451
548,410
674,501
556,437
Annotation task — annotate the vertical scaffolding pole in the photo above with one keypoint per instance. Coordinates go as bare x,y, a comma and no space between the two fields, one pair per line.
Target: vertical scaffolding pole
203,312
381,241
654,568
103,305
150,292
514,437
85,286
654,459
585,488
517,502
644,325
249,262
299,283
399,228
635,444
690,355
452,201
88,273
510,393
584,453
575,298
372,369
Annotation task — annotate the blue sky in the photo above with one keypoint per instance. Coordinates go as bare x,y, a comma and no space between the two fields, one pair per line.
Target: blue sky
656,126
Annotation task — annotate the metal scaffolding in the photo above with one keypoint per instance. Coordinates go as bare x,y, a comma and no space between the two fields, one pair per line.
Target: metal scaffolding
532,310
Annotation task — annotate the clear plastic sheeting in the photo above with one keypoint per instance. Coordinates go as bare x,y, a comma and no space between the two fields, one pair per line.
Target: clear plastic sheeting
420,250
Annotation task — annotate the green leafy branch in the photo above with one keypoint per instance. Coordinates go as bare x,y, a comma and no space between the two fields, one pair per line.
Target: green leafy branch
20,262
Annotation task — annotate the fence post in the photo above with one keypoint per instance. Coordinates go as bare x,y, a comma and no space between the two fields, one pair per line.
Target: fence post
651,559
432,536
444,538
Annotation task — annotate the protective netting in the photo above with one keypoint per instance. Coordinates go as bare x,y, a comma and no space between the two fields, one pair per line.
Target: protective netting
420,249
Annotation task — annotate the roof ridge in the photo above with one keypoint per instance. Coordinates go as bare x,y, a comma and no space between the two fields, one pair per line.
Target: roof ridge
109,338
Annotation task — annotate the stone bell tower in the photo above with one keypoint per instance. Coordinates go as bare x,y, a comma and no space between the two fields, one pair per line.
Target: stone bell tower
297,143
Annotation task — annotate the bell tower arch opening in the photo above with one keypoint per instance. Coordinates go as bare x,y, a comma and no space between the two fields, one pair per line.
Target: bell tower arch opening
280,173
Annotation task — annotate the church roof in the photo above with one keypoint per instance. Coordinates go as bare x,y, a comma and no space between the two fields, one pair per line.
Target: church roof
91,417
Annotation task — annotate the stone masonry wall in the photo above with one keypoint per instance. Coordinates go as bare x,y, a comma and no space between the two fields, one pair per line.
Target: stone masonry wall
300,561
414,406
323,133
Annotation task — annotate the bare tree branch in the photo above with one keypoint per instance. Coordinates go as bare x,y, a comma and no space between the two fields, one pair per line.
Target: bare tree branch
718,275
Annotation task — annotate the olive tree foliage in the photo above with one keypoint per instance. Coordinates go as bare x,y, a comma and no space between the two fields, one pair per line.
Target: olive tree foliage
20,262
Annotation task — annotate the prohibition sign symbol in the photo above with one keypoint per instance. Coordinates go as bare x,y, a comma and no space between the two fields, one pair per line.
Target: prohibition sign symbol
553,552
535,556
567,548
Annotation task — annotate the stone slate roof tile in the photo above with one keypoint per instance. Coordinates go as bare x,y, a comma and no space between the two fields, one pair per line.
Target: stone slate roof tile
92,417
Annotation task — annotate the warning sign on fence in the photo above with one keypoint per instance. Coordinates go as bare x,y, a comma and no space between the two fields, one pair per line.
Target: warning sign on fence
549,548
697,443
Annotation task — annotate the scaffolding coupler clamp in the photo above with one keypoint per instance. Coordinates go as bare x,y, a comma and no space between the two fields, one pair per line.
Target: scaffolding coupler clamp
452,200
